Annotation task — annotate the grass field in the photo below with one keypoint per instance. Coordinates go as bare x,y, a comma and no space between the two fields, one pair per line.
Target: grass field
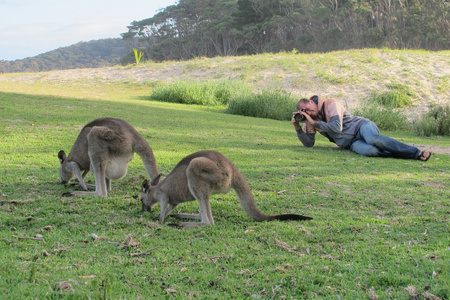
380,228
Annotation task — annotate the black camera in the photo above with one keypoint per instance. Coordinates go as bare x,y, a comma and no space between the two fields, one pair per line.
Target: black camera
298,117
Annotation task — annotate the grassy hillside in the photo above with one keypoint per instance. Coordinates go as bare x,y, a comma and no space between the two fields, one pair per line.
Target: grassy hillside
380,228
350,76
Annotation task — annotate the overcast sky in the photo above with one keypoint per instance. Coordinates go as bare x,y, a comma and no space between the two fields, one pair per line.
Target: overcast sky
32,27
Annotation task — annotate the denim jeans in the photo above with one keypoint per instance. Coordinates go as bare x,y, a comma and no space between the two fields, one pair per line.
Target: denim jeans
369,142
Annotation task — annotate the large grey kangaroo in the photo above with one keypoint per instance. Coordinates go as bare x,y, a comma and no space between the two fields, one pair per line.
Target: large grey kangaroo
197,177
105,146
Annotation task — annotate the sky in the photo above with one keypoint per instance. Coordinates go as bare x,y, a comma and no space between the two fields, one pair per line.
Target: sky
32,27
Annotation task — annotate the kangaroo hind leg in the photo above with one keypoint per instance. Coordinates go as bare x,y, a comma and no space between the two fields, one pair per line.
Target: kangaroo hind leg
205,214
99,155
200,178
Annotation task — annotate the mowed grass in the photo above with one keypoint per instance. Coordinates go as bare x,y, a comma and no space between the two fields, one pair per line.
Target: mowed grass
380,227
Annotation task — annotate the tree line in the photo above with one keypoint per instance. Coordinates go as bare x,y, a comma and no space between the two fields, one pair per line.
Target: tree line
196,28
93,54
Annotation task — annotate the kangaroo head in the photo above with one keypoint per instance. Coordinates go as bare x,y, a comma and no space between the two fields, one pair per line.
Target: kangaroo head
148,198
64,172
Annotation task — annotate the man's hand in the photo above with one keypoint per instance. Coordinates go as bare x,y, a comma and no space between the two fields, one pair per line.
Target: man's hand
295,123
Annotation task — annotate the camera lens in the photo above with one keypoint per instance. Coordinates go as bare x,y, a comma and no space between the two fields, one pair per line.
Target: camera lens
299,117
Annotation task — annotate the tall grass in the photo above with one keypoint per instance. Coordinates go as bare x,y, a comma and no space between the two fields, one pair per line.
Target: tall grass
386,118
385,109
435,121
269,104
397,96
213,92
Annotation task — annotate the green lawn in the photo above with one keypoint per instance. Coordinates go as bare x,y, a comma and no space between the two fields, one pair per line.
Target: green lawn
380,228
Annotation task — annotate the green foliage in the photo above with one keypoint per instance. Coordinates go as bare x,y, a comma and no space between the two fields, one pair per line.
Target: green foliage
103,287
270,104
386,118
393,99
213,92
224,28
398,96
435,121
137,55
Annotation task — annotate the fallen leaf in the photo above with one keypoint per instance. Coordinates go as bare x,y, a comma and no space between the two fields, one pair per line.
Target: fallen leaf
430,296
47,228
131,180
411,290
63,286
330,256
431,256
246,271
372,295
130,241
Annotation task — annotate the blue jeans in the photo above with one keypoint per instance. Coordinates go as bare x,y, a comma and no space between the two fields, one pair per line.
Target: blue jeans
369,142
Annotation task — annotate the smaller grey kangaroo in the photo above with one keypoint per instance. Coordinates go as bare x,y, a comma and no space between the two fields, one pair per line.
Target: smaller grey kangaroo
104,146
197,177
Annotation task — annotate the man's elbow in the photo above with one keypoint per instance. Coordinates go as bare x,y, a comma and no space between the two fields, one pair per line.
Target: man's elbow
308,145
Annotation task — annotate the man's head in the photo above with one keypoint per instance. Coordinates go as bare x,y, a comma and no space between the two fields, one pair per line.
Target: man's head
312,109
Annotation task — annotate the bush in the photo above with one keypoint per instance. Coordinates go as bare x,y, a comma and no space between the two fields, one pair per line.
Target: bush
198,92
397,96
392,99
386,118
435,121
270,104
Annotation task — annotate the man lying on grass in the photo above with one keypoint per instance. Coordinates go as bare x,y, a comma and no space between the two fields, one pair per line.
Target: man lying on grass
360,135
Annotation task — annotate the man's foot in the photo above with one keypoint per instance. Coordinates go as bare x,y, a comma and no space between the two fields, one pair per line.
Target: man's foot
424,155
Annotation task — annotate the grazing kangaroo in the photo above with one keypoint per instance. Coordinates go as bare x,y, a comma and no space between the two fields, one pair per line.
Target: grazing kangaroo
104,146
197,177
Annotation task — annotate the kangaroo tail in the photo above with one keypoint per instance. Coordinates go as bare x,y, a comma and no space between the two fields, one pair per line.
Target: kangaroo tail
291,217
239,184
245,195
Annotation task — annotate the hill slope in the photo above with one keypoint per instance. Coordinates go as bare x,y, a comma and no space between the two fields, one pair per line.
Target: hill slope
350,76
93,54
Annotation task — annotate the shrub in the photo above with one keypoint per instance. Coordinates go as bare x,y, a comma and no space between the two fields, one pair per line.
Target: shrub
386,118
270,104
435,121
200,92
398,96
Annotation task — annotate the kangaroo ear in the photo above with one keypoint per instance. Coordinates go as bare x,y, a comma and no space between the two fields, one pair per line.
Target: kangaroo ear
62,156
145,186
156,180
